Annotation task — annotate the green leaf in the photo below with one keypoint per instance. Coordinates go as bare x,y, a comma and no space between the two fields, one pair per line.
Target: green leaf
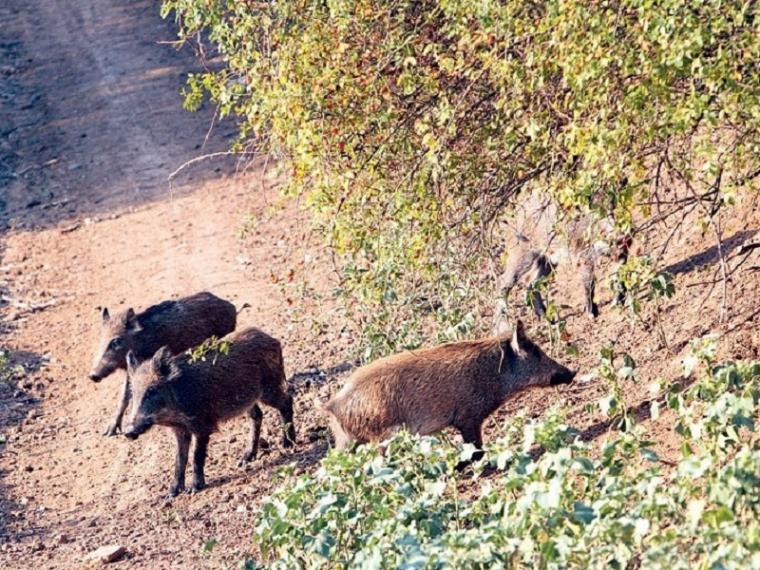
608,405
649,455
209,545
583,513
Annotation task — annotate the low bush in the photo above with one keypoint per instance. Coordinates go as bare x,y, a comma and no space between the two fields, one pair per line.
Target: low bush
553,501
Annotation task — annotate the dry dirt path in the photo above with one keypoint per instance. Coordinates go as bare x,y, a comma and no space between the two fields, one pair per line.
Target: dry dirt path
91,125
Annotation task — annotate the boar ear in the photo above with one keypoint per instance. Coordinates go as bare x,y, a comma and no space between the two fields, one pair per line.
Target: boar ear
131,362
162,361
105,314
130,320
518,336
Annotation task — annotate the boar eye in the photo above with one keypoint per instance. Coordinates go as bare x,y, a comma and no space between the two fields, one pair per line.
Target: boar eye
115,343
155,397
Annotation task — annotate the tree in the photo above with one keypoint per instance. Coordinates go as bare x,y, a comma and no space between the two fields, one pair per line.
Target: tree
412,125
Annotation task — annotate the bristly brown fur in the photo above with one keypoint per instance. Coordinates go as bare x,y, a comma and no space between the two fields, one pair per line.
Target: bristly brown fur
179,325
456,384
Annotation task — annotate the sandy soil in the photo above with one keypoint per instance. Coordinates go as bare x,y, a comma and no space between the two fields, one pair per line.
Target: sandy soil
91,126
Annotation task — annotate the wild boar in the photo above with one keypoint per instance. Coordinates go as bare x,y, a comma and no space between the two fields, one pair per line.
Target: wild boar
536,260
457,384
179,325
193,396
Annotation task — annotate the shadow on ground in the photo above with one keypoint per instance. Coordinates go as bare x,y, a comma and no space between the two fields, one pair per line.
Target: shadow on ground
113,130
19,400
711,255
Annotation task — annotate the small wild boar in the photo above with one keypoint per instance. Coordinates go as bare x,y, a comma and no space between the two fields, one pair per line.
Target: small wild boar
532,259
192,397
457,384
179,325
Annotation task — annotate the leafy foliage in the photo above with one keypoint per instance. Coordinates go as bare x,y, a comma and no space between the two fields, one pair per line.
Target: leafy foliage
410,126
613,405
637,277
211,348
9,371
403,507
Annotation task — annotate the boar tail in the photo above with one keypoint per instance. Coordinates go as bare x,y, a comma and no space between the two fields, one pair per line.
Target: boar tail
243,308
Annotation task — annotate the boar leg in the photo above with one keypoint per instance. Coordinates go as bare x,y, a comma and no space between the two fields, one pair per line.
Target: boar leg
589,286
256,416
541,268
126,393
180,461
471,434
519,264
343,440
624,245
283,402
199,461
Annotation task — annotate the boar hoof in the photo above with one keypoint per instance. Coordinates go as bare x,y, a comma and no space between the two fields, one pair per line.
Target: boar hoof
476,456
197,487
175,490
112,430
248,456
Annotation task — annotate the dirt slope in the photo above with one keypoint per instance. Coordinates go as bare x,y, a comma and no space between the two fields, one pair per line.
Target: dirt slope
90,127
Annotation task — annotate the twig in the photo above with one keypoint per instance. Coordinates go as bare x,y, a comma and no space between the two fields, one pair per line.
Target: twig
26,169
206,157
70,228
740,323
723,269
210,128
747,247
262,180
711,214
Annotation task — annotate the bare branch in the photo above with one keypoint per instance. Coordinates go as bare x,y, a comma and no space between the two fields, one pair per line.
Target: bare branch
207,157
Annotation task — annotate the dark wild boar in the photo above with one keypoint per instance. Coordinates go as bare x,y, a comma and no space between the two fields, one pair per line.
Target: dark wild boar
457,384
179,325
192,397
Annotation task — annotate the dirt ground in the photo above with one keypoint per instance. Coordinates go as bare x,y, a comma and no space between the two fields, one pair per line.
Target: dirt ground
91,126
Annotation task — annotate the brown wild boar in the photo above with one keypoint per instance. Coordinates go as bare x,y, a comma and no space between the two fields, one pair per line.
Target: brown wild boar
179,325
457,384
192,397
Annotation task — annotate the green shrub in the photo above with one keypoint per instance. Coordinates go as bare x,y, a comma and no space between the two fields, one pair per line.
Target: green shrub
9,371
404,507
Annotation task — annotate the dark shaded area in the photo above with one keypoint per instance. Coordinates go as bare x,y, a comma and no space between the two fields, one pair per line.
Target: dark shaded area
54,143
305,456
319,375
711,254
19,400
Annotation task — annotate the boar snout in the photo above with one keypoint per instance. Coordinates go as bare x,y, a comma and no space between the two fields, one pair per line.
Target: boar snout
134,431
102,369
562,377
